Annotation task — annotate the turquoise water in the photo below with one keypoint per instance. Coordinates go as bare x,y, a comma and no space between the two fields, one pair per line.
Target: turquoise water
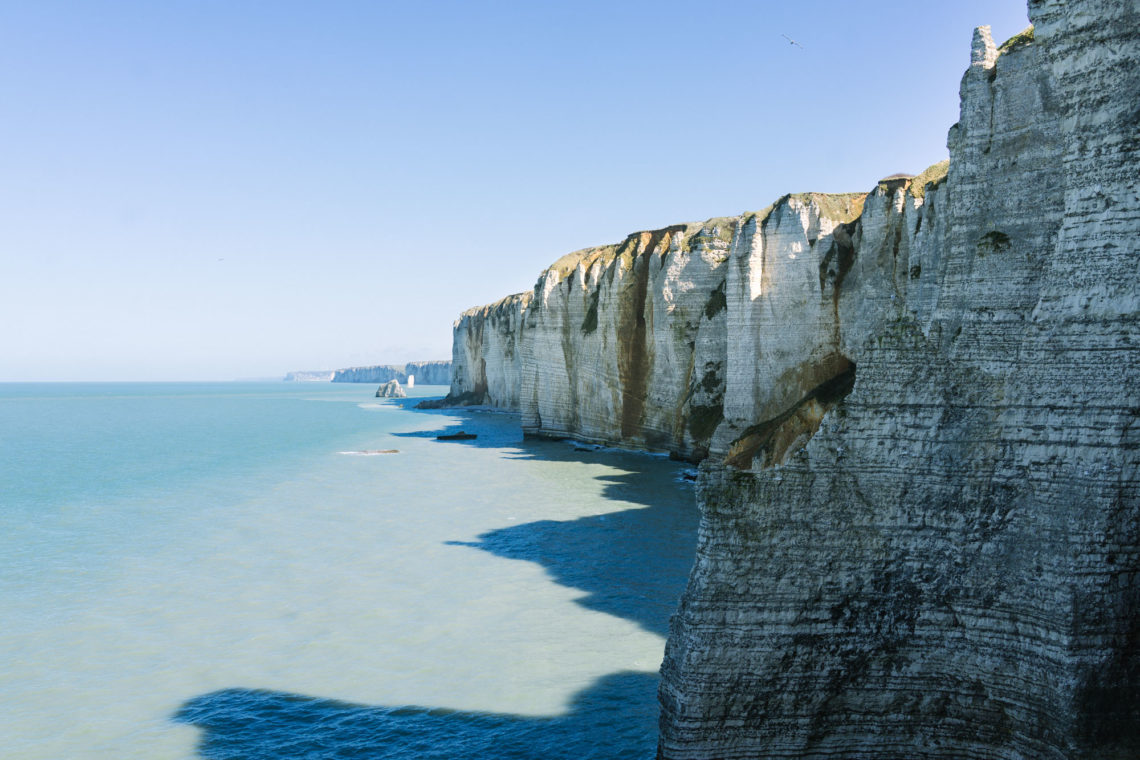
215,571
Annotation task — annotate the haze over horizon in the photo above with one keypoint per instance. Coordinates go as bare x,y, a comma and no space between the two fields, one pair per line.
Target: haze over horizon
212,191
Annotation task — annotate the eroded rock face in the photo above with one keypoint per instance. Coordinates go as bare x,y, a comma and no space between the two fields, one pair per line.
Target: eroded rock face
640,344
948,568
391,389
624,342
917,410
485,360
785,272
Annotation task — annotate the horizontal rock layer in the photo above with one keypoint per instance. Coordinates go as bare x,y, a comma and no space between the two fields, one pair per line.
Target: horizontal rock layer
917,410
948,568
485,355
628,344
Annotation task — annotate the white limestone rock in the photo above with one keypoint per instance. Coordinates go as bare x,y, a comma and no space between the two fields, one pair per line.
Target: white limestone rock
485,362
920,532
947,568
391,389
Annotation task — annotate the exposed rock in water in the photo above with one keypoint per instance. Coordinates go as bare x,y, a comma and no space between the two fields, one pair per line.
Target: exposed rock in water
391,389
917,410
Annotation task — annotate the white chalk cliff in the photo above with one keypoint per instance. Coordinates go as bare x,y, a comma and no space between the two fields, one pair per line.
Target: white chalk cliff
917,414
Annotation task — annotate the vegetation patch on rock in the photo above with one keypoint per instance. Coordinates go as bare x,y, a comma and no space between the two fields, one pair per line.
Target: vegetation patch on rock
1019,40
933,175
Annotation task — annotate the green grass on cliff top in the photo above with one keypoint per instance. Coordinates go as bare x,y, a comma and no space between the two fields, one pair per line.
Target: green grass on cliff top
718,228
505,301
841,207
933,175
1021,39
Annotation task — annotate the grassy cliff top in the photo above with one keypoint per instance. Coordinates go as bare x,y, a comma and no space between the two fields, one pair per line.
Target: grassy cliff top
505,301
933,175
718,228
841,207
1021,39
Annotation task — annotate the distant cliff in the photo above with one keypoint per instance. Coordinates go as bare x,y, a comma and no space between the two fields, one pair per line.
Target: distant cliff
426,373
310,376
917,413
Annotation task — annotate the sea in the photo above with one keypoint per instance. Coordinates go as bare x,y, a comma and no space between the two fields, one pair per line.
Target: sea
216,571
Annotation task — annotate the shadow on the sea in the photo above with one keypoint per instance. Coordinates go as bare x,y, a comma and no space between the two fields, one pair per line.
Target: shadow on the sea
494,429
633,563
615,717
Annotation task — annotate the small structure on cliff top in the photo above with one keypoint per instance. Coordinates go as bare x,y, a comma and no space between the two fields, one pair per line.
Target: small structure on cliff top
391,389
896,180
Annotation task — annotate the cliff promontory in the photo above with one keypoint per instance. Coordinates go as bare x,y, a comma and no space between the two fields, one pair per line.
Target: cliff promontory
917,414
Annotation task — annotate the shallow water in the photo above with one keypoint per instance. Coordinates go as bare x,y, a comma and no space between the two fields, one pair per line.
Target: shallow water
201,571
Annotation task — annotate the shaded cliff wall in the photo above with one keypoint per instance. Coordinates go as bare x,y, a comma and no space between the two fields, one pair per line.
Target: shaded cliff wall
485,355
949,567
785,270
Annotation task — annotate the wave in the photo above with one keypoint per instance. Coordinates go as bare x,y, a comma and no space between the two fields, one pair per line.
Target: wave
369,452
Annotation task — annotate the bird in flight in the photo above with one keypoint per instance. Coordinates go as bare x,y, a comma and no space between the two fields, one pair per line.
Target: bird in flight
791,41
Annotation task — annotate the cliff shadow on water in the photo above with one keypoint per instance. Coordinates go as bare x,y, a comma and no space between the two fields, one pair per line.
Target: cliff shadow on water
631,563
251,724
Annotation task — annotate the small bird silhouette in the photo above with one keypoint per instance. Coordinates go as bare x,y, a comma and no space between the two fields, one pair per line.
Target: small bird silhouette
791,41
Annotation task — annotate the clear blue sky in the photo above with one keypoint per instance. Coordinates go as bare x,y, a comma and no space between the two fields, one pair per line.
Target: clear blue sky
211,189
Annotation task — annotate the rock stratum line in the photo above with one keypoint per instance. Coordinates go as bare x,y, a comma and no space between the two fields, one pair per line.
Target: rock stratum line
916,412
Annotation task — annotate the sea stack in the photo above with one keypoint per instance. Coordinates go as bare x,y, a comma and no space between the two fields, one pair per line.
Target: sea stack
391,389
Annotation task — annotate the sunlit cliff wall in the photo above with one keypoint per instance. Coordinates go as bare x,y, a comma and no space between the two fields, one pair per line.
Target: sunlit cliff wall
948,568
917,414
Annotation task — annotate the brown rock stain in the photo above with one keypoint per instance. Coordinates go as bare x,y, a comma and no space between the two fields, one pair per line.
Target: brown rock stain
633,351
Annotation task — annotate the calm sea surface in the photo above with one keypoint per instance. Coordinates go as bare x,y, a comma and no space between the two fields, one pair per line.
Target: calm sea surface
207,571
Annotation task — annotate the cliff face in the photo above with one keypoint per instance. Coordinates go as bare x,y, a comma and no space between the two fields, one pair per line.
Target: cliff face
486,342
632,344
430,373
948,568
917,410
623,342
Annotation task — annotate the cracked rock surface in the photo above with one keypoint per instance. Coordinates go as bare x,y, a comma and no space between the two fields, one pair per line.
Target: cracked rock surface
916,412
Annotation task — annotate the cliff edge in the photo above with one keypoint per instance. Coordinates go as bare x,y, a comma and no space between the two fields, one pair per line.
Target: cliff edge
916,412
948,568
